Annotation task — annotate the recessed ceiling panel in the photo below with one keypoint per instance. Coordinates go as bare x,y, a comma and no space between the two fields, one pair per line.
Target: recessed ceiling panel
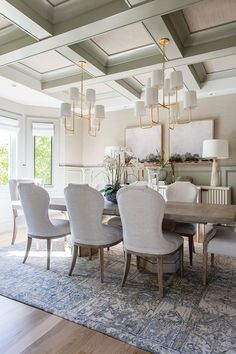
46,62
210,13
100,88
220,64
123,39
4,23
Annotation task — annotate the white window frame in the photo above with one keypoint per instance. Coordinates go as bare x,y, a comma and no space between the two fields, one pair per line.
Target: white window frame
9,122
30,146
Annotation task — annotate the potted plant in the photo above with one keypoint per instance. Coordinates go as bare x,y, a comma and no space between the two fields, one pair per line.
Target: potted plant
114,171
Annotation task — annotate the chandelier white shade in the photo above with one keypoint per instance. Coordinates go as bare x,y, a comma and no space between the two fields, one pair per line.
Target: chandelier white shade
190,99
65,109
158,83
176,80
157,79
74,94
85,103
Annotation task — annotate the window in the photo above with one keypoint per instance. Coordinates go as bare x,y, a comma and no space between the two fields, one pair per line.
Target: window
4,156
8,138
43,158
43,136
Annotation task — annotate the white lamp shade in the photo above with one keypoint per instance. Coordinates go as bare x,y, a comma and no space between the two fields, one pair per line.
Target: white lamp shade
190,99
65,109
176,80
215,148
74,94
157,78
139,109
90,97
99,111
151,96
167,89
95,123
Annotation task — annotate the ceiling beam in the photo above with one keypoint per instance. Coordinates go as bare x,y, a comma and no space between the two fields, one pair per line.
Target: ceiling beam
26,18
201,53
161,27
89,30
82,52
126,88
116,72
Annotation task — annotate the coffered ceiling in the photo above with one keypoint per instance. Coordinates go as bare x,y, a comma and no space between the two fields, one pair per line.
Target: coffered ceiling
42,41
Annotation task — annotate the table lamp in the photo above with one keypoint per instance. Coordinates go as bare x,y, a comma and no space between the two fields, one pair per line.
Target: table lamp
215,149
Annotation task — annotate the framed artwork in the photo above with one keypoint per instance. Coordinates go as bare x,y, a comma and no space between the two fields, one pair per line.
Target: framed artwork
143,142
189,137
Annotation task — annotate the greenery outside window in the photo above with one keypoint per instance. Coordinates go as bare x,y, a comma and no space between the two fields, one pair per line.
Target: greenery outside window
43,141
4,157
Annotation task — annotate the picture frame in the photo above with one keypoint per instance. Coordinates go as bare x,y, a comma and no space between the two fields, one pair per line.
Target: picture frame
188,138
143,142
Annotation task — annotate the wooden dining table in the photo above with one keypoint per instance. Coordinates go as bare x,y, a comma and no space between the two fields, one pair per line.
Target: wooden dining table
175,211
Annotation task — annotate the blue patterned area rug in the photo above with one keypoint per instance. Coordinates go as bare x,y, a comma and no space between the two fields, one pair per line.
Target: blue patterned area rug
190,318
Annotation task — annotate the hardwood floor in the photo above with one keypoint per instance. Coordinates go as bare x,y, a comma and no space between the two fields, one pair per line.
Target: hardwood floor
27,330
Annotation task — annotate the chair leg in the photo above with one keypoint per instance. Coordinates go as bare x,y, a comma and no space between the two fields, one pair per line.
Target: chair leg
212,259
74,257
205,259
80,251
48,252
138,262
14,228
101,263
160,275
190,246
126,267
29,243
181,258
90,254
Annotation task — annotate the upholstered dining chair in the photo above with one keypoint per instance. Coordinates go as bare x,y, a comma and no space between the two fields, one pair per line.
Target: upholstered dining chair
35,203
184,192
142,210
85,209
221,240
18,216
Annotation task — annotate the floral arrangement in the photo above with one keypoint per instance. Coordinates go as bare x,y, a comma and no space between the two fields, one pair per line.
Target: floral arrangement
116,172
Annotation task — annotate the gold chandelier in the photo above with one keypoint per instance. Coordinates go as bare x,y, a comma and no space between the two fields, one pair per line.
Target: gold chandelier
85,103
148,110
